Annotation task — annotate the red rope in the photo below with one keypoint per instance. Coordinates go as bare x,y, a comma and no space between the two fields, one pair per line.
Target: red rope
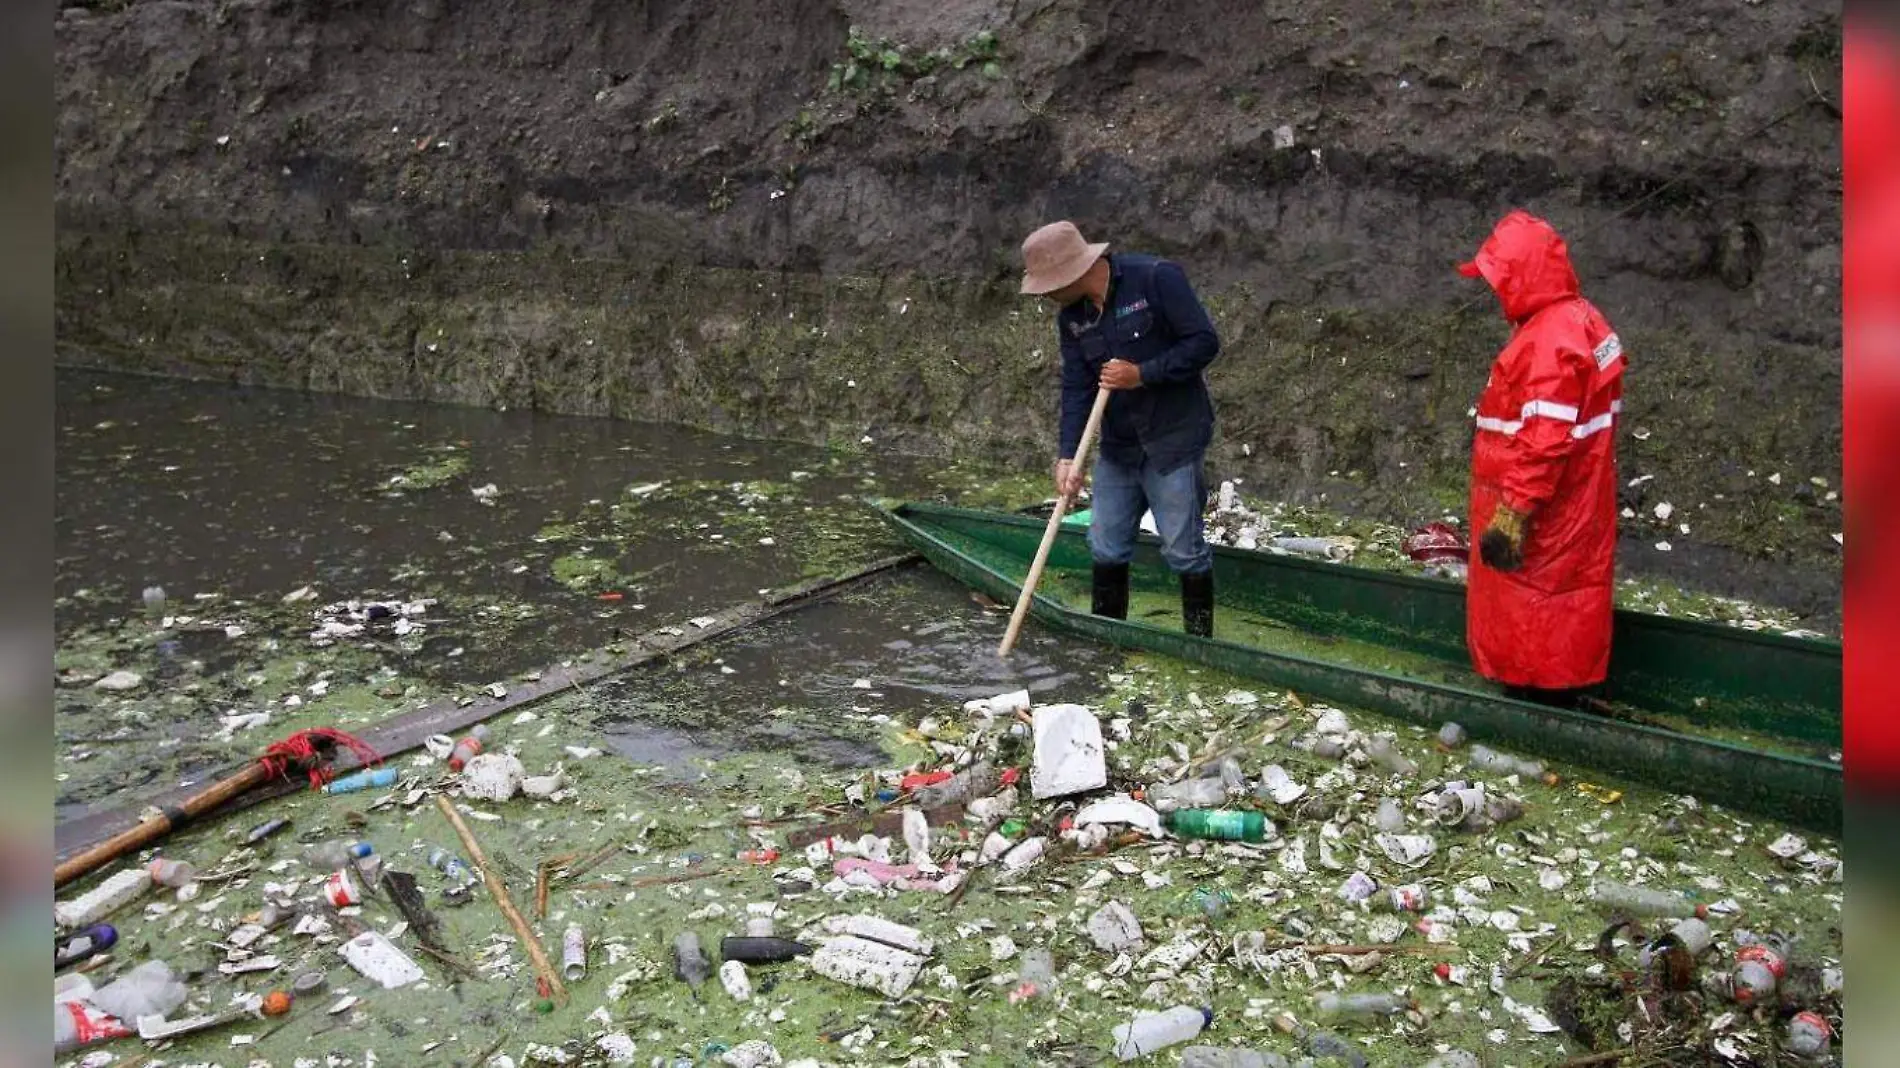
300,750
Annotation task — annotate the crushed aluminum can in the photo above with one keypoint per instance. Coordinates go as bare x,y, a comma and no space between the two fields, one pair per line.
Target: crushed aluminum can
341,891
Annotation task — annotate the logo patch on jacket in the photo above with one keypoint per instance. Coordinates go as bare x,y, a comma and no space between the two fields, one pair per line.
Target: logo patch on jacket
1130,309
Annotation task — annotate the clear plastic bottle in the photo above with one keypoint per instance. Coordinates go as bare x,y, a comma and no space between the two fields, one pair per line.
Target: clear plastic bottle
1151,1031
978,780
1391,818
154,598
335,853
1035,975
1330,1005
469,747
172,873
1451,736
450,865
118,891
1189,793
1223,1057
1232,775
689,961
1325,1045
1641,901
1385,754
1488,759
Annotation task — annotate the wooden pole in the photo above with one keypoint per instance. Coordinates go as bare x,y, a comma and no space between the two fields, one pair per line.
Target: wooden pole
550,978
1055,525
148,831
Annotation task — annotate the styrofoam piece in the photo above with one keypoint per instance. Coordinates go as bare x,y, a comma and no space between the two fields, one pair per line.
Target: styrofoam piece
732,976
757,1053
1003,704
1026,853
1121,809
1069,753
872,965
103,900
492,777
878,929
1114,928
378,959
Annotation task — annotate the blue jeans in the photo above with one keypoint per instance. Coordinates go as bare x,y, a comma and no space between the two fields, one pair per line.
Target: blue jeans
1123,492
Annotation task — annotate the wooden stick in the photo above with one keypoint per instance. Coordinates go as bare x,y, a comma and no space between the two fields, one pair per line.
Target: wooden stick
667,880
550,978
148,831
1055,526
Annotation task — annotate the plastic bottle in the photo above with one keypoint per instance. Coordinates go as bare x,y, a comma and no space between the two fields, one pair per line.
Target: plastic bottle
115,893
1391,818
265,830
1151,1031
1485,758
450,865
1692,935
172,872
1025,853
470,745
335,853
1191,793
1035,975
367,779
147,990
1387,756
1451,736
752,950
95,939
1326,1045
978,780
1232,776
1330,1005
1639,901
1809,1035
1229,825
1758,971
78,1024
154,597
689,961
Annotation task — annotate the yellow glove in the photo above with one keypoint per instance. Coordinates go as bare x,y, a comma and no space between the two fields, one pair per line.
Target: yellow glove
1502,545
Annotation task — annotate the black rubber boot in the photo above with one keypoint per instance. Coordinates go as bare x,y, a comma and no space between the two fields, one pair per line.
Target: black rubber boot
1197,603
1111,591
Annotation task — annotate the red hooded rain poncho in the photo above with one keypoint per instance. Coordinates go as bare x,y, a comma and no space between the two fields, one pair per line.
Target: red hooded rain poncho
1545,445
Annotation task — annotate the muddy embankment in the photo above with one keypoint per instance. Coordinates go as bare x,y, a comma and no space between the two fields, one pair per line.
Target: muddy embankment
743,216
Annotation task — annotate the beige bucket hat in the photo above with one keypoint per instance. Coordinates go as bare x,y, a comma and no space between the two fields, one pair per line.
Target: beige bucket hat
1055,256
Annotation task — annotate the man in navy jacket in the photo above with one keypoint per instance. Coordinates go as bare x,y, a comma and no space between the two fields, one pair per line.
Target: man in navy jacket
1132,324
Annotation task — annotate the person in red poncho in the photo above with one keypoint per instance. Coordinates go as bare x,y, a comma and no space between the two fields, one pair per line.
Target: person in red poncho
1543,474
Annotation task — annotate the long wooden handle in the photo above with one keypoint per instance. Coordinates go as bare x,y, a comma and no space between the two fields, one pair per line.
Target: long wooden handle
1055,525
148,831
542,969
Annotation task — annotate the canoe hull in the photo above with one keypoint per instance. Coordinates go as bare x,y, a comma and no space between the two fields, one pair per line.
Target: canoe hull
974,547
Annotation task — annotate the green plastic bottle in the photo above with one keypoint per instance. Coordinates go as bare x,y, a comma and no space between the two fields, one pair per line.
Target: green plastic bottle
1229,825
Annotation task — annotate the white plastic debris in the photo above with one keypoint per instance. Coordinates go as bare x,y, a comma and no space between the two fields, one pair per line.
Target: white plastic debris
120,681
1069,754
878,929
545,785
1026,853
1276,784
378,959
1407,850
1332,721
1115,928
732,976
757,1053
872,965
492,777
1787,846
1121,809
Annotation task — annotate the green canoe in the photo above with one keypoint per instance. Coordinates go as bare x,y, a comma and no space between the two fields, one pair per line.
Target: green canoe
1740,718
